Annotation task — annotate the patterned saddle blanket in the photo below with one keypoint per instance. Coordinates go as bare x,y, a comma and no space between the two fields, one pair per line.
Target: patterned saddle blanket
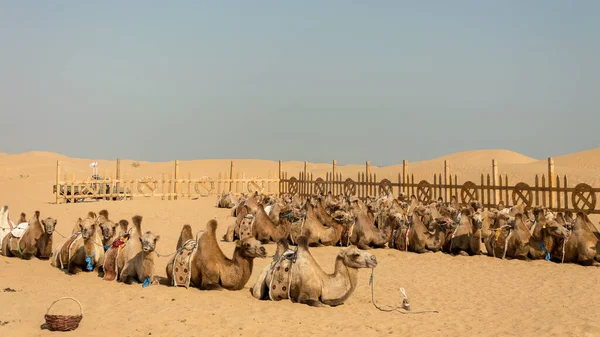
182,264
64,255
281,276
246,226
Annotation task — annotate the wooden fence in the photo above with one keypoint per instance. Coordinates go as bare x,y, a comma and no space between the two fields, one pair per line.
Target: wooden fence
548,190
169,186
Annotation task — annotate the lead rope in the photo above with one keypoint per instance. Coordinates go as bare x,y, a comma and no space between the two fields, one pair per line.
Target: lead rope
405,304
564,246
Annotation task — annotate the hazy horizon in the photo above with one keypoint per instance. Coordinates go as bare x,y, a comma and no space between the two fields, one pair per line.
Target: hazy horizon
310,81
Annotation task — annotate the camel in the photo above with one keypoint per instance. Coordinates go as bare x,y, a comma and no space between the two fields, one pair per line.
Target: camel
466,237
109,229
136,261
297,276
581,246
365,234
90,216
83,250
227,200
240,201
210,269
36,240
420,239
516,240
260,224
319,234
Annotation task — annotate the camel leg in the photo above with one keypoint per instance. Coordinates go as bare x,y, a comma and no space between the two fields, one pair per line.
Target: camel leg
461,253
363,246
305,298
314,303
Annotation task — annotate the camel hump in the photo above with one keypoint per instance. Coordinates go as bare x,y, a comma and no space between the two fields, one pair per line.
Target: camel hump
104,213
211,226
137,220
37,214
302,241
92,215
123,223
186,233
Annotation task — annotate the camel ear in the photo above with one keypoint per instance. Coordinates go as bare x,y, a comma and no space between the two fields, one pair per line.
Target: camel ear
43,222
157,238
238,243
142,241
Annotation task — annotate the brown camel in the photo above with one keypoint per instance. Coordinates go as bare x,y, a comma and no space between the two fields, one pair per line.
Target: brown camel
420,238
86,253
297,276
211,269
136,262
581,246
227,200
516,240
35,241
319,234
466,237
365,234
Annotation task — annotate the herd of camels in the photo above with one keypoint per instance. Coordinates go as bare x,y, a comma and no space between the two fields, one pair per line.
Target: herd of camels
120,251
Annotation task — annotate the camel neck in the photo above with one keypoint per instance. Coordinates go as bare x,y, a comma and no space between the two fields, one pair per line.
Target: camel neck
89,246
341,284
243,264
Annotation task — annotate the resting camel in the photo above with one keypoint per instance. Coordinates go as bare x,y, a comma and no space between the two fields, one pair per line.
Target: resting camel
136,262
86,253
35,241
298,277
582,245
211,269
466,237
109,229
319,234
227,200
420,239
515,240
365,234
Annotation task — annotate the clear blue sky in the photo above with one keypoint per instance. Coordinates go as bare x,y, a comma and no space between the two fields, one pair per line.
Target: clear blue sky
298,80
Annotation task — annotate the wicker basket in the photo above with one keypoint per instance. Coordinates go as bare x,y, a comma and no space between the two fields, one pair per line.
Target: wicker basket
63,322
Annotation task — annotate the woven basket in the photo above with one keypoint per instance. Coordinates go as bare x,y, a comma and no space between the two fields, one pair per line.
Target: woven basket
63,322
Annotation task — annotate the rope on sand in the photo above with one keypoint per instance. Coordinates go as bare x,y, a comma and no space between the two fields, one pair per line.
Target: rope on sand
405,304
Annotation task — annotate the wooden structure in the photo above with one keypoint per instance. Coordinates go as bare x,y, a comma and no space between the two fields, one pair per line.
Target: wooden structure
171,186
548,190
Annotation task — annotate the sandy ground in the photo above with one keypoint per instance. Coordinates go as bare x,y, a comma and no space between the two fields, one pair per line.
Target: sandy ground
475,296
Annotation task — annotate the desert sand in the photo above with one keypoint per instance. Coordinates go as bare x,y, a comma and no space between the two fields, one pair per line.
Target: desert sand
475,296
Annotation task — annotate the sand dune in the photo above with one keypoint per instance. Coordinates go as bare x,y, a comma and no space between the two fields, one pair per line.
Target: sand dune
475,296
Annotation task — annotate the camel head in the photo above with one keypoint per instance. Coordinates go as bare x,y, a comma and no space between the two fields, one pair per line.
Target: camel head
148,241
109,229
343,217
556,229
49,224
477,219
87,227
251,248
356,258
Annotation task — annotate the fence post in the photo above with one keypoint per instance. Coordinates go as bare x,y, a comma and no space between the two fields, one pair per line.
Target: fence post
175,183
231,169
446,176
118,175
551,182
495,181
404,177
333,186
305,184
57,181
279,177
